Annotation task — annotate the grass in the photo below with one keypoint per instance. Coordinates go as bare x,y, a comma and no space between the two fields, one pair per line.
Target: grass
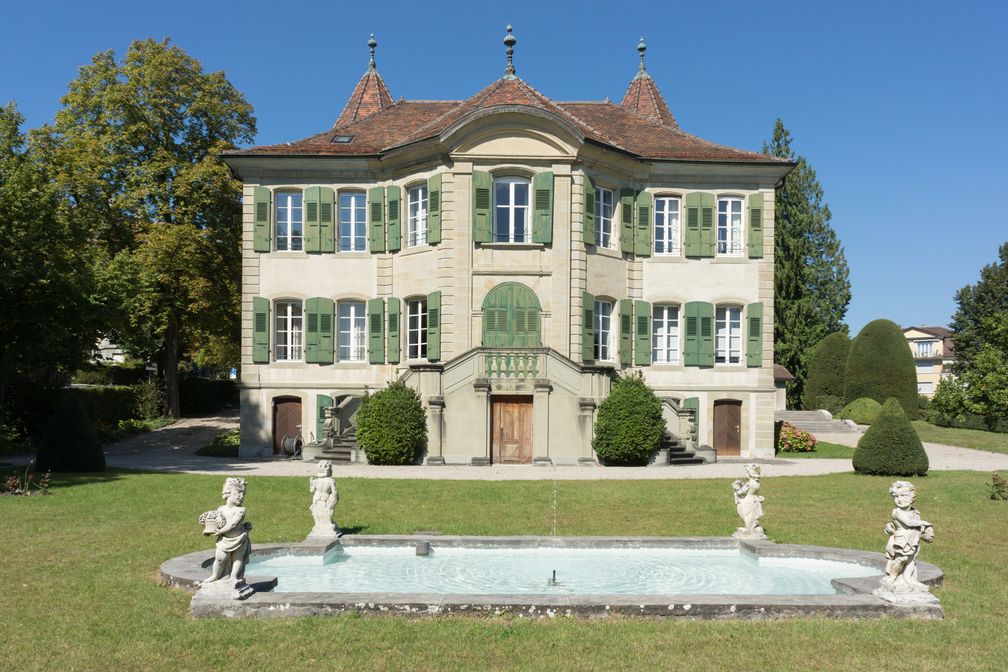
224,444
823,450
995,442
81,592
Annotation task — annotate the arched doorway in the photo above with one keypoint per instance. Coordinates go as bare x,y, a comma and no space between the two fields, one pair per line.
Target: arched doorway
286,421
727,427
511,317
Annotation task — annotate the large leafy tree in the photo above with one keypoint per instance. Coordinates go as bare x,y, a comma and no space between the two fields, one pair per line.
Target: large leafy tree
134,151
811,280
48,322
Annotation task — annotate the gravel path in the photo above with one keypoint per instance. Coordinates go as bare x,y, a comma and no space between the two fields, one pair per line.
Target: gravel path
172,449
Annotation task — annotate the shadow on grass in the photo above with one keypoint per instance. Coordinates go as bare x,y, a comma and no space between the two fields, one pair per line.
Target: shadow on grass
61,479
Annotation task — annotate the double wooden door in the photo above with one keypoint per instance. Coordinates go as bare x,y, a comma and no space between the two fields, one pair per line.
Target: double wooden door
511,430
286,421
728,427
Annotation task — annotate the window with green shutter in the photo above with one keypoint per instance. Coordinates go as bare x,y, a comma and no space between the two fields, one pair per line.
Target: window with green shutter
705,313
311,332
588,327
376,331
376,219
642,227
434,326
691,335
324,310
754,334
260,330
691,237
707,225
394,196
626,331
511,317
482,215
393,344
626,220
588,223
327,220
312,234
434,210
756,226
642,345
261,220
542,210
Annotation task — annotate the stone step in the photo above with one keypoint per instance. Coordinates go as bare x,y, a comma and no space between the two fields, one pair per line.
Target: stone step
681,461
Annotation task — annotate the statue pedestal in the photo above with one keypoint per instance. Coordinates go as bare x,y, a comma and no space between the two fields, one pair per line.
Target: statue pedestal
225,589
911,599
750,535
323,531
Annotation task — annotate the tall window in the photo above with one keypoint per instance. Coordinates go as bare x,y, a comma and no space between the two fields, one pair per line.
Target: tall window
603,331
666,226
352,222
603,218
289,233
665,335
416,329
288,331
729,226
927,348
352,331
728,335
511,210
417,234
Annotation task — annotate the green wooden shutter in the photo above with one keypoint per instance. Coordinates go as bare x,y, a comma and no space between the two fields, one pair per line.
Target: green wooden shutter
311,332
642,347
376,331
434,326
376,219
626,331
394,218
588,232
626,220
756,226
542,207
642,234
322,402
260,330
261,232
312,237
434,210
692,404
754,334
482,207
706,225
326,310
691,340
327,220
588,327
706,316
392,346
692,235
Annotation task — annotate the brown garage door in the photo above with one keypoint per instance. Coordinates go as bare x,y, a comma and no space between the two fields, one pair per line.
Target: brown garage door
512,430
286,420
728,427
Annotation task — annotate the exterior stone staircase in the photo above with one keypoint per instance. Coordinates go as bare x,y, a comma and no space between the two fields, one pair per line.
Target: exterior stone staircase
678,453
343,447
815,422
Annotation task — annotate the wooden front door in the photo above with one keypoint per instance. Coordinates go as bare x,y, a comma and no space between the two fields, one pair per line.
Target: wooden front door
286,421
728,427
511,434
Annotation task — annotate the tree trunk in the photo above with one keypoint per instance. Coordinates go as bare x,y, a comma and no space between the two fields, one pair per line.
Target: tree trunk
171,370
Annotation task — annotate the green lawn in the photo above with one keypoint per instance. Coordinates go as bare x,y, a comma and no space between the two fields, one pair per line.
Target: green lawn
995,442
823,450
80,590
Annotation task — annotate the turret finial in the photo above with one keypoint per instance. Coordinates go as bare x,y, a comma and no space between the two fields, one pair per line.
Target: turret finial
641,47
509,42
372,43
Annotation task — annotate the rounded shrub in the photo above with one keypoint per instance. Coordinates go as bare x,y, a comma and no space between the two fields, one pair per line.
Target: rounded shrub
826,367
891,447
880,365
630,425
70,442
392,425
863,411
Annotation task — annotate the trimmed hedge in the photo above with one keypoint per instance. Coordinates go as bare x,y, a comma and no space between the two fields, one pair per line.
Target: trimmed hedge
863,411
70,442
630,425
880,365
827,364
891,447
392,425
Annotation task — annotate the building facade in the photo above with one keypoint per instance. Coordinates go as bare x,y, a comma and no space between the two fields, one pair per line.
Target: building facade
506,256
934,353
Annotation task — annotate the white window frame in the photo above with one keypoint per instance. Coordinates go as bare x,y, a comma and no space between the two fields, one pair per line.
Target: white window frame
354,217
351,322
416,234
604,209
288,333
927,349
665,346
416,329
728,335
730,229
668,225
288,211
516,227
602,323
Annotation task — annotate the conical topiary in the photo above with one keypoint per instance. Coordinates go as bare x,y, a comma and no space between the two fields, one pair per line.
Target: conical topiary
880,365
891,446
70,442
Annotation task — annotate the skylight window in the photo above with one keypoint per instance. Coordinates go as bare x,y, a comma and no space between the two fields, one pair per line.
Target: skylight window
342,139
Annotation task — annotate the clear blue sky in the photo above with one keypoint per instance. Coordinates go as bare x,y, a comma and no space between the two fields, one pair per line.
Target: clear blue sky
900,107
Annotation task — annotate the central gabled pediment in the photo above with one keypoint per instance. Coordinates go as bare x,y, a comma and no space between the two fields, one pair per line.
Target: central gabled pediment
512,131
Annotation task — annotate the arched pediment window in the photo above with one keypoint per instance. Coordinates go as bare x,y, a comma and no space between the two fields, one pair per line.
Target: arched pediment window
511,317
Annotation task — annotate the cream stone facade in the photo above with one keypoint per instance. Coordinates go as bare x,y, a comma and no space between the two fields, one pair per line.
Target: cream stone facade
516,360
934,353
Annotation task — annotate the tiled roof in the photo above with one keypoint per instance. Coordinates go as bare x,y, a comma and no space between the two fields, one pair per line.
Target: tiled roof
940,332
369,96
644,98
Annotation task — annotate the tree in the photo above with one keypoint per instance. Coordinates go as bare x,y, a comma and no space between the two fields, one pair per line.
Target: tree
134,151
47,321
392,425
70,442
826,365
811,283
630,425
880,365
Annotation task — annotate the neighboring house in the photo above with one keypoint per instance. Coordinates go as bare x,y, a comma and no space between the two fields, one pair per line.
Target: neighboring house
107,351
505,255
934,353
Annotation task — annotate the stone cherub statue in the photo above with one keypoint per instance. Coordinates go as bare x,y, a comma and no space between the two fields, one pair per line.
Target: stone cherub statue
324,499
227,522
906,530
329,425
749,504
